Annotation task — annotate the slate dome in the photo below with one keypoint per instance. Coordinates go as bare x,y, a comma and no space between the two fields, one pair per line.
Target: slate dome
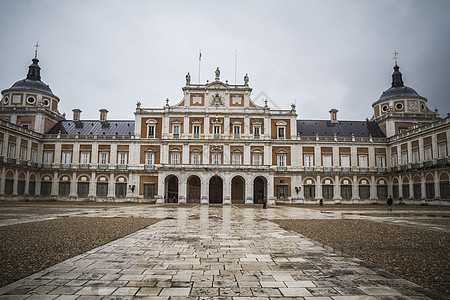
33,81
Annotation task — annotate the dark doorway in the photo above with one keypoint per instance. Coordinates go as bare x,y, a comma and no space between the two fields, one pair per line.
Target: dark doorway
215,190
193,189
259,190
172,189
237,190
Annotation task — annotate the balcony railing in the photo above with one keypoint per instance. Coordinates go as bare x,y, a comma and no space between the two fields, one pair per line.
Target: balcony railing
176,135
65,166
381,170
428,164
442,162
281,169
121,167
149,167
47,165
345,169
196,135
33,165
237,135
11,160
256,137
24,163
415,166
404,167
103,167
83,166
363,170
217,135
309,169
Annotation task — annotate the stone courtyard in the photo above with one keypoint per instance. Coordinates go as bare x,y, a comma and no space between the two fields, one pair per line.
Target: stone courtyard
212,252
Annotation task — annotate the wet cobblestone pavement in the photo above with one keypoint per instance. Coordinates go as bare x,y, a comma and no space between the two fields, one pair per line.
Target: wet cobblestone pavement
212,252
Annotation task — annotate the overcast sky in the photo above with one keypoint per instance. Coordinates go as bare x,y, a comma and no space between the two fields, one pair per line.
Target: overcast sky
318,54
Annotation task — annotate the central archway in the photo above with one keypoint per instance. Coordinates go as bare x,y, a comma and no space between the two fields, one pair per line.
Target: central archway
259,189
193,189
171,189
237,190
216,189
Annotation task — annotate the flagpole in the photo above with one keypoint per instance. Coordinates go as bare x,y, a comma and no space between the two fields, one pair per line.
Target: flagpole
199,61
235,66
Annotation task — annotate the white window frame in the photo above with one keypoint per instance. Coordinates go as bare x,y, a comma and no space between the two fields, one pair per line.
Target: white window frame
363,160
394,159
195,158
85,157
11,150
33,155
176,131
103,158
237,131
415,155
281,160
48,157
442,153
256,132
175,158
327,160
404,157
196,131
216,158
381,161
23,153
149,158
345,160
428,153
236,159
281,132
151,131
66,157
122,158
257,159
308,160
216,131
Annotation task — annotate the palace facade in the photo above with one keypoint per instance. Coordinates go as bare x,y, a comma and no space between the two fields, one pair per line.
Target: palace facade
218,146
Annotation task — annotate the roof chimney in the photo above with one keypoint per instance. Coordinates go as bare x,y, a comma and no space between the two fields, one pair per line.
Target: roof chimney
333,116
76,114
103,113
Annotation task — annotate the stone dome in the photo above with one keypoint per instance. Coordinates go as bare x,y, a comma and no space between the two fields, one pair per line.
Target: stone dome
33,81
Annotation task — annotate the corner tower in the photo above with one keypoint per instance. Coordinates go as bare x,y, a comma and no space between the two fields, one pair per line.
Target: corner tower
30,102
401,108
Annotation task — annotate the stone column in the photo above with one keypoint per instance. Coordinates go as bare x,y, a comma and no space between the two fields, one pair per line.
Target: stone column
54,192
437,190
270,190
373,190
2,181
182,192
16,182
91,193
423,188
337,190
355,190
204,190
73,186
248,190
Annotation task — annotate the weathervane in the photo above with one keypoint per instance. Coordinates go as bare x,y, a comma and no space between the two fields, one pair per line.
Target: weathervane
395,56
36,49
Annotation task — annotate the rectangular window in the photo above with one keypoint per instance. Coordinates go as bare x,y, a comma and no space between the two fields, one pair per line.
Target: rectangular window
445,191
12,151
32,188
281,135
151,132
48,157
442,153
102,189
103,158
64,189
23,153
196,129
216,131
121,190
428,153
21,187
345,160
346,192
405,191
429,190
46,188
381,161
123,158
308,160
382,192
236,159
9,183
85,157
364,191
33,156
237,132
281,160
327,192
256,132
417,191
310,191
83,189
394,160
26,125
176,131
175,158
326,160
282,191
404,158
195,158
415,156
257,159
216,159
149,159
66,155
149,190
362,160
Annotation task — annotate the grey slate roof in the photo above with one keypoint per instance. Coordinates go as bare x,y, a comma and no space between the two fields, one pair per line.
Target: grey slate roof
399,91
342,128
85,127
32,85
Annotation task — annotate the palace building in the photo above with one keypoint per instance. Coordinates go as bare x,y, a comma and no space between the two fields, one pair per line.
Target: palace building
218,146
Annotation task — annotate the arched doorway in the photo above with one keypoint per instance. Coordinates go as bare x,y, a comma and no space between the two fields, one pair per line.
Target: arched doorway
171,189
237,190
193,189
259,189
215,190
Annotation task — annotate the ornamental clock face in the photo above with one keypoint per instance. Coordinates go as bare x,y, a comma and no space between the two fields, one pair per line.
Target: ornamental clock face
413,106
